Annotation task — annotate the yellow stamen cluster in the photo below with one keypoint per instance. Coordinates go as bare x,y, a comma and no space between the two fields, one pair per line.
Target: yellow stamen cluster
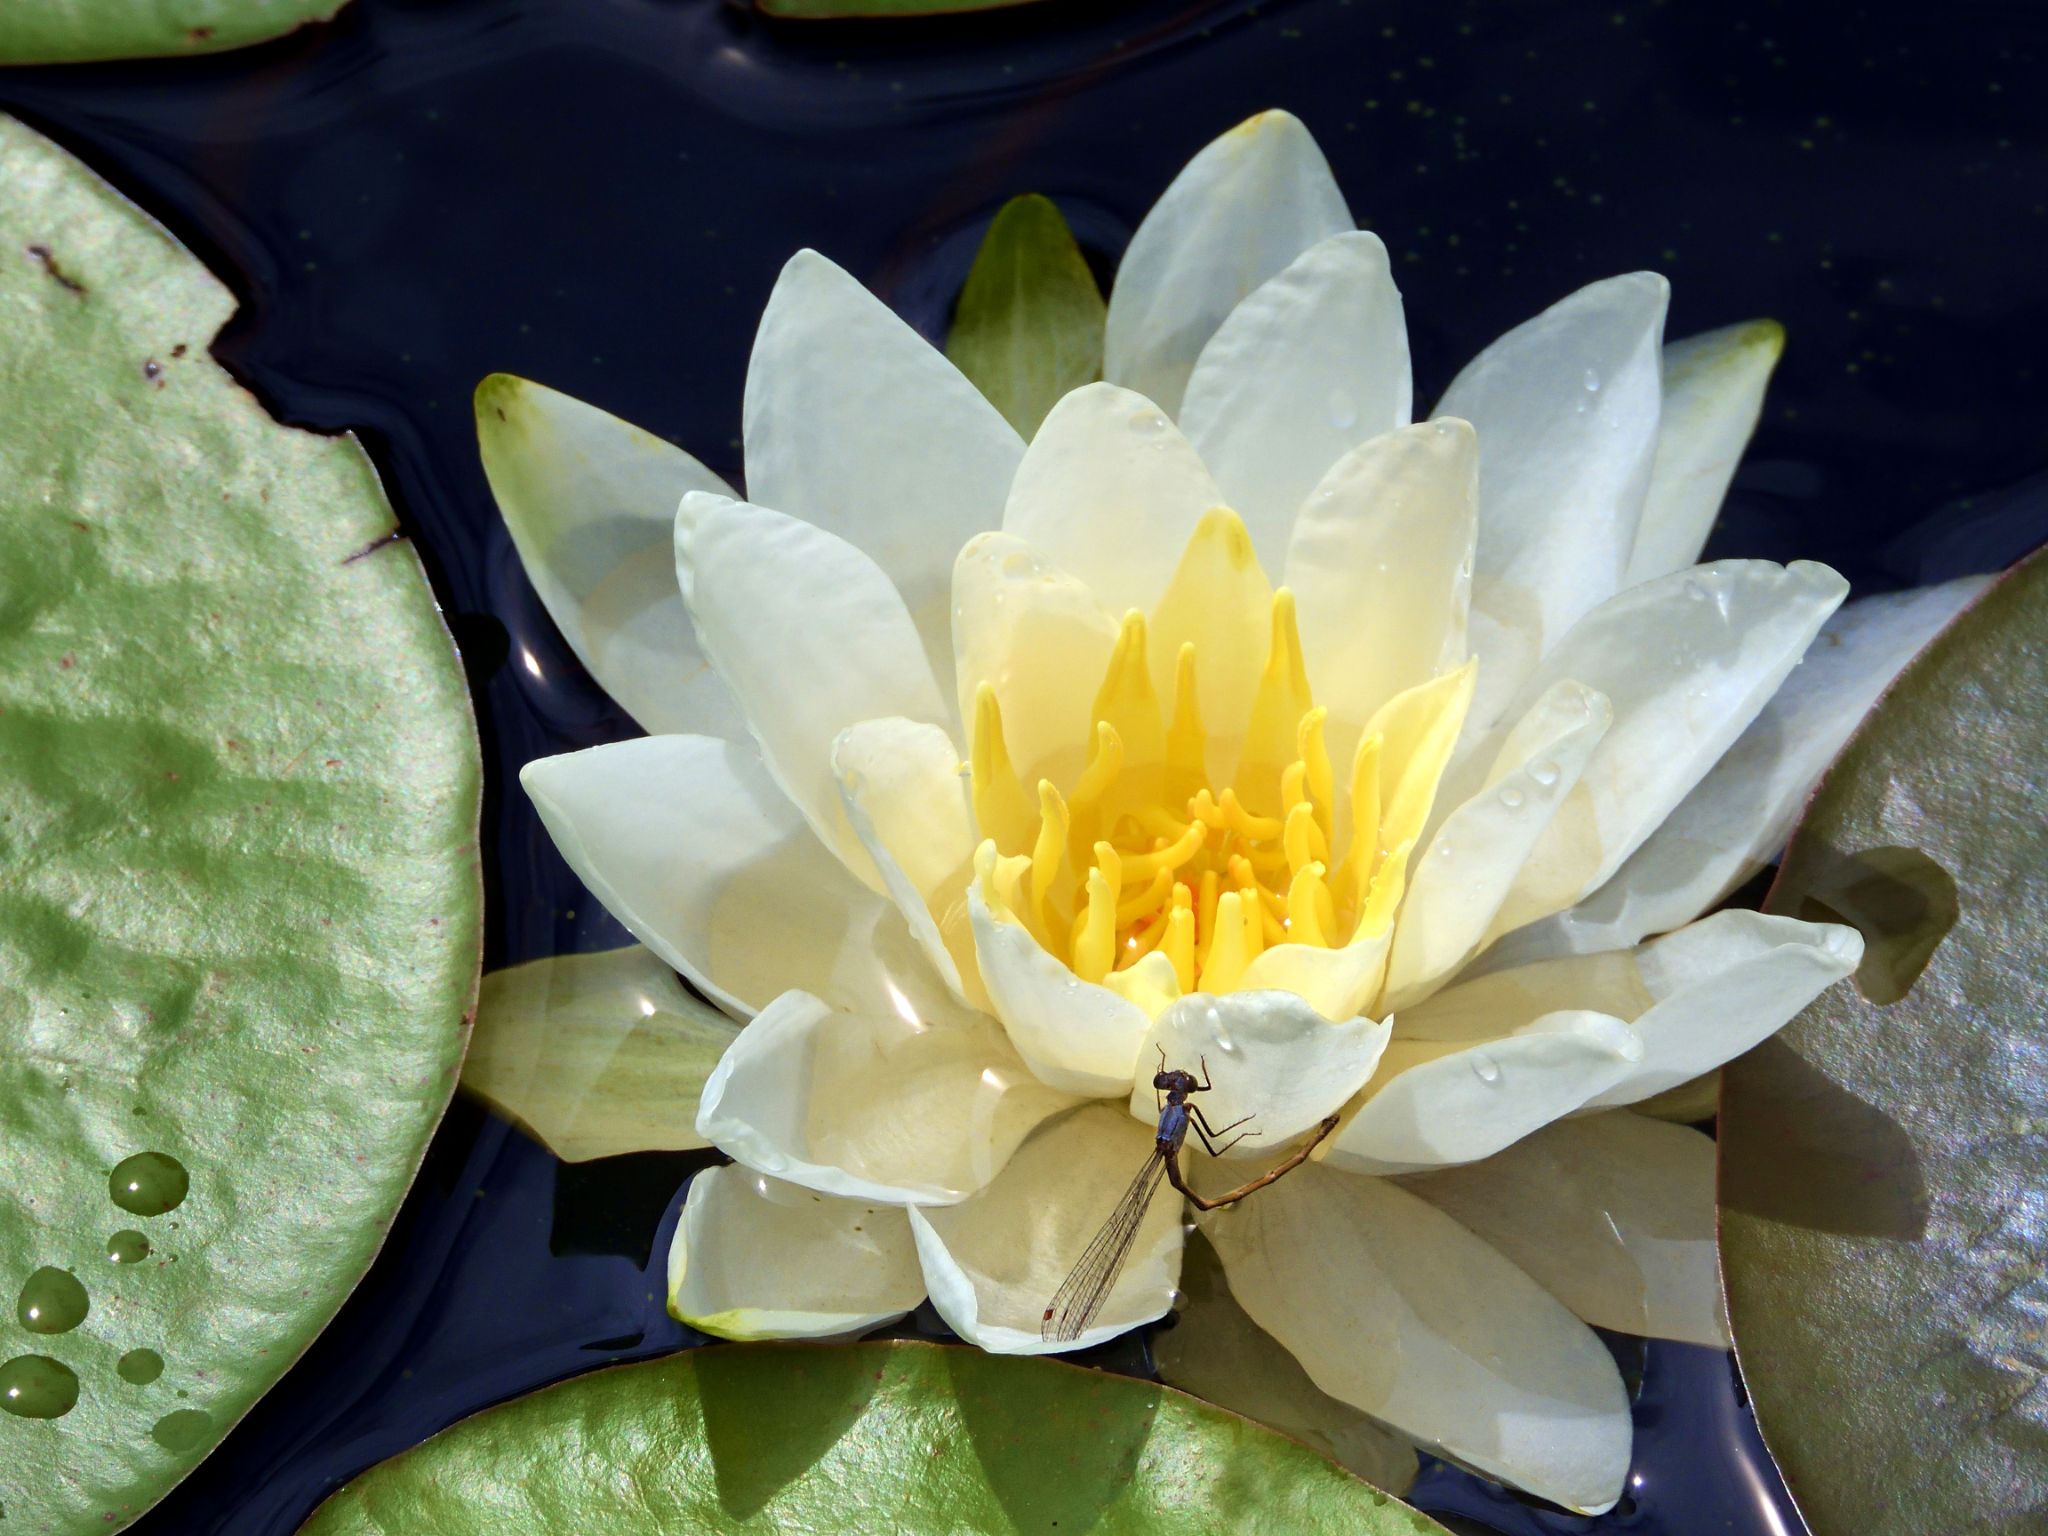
1142,855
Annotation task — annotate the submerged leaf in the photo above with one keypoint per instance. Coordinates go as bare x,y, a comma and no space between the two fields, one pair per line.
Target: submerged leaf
239,920
1029,324
903,1437
1883,1159
1220,1355
70,31
597,1054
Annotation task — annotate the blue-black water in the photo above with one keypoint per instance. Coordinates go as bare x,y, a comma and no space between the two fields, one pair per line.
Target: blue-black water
598,194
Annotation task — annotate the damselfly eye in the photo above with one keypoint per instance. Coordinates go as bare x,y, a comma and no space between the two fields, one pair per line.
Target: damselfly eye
1162,1080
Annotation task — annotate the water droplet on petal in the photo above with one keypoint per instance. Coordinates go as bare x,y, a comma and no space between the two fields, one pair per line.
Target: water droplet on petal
1544,773
1485,1068
1694,589
37,1387
1511,797
52,1301
1343,410
1592,381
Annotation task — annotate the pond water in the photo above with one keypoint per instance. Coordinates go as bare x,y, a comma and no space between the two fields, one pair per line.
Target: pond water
598,193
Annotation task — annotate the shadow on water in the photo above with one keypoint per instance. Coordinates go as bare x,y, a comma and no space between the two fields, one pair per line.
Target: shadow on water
767,1428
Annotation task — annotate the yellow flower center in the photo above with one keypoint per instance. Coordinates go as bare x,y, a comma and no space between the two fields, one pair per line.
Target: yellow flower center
1143,854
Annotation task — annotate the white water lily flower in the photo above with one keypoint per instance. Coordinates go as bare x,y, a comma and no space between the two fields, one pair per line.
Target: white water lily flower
1238,718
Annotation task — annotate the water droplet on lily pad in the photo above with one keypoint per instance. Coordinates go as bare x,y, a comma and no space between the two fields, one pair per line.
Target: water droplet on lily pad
149,1183
185,1430
139,1367
52,1301
37,1387
127,1246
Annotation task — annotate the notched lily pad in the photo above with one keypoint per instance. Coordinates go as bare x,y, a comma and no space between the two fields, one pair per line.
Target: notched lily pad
239,913
1883,1158
856,1439
72,31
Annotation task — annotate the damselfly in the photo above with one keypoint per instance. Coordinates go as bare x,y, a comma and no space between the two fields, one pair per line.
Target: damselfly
1081,1294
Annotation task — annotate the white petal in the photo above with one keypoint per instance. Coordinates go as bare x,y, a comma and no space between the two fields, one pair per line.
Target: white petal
1456,888
754,1258
856,423
1720,986
1272,1060
1075,1035
1314,363
1739,815
1111,491
1393,1307
811,638
1713,393
1240,211
689,843
1612,1214
875,1106
993,1262
1435,1102
1566,407
1220,1355
1687,662
590,501
598,1053
907,802
1380,562
1037,635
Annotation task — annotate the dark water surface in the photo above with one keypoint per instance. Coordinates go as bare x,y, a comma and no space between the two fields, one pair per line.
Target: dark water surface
598,194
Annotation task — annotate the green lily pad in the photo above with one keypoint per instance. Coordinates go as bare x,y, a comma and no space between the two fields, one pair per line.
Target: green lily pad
239,914
857,1439
1029,323
596,1054
70,31
1883,1159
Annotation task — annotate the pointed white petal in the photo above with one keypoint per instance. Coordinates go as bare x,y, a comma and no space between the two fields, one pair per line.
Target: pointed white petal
1274,1063
590,501
1111,491
1241,210
1722,985
1687,661
1612,1214
1380,562
689,843
754,1258
1566,407
599,1053
811,638
907,802
1436,1101
1314,363
1076,1035
1456,888
889,1107
1713,393
1393,1307
1037,635
856,423
1738,816
1220,1355
993,1262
